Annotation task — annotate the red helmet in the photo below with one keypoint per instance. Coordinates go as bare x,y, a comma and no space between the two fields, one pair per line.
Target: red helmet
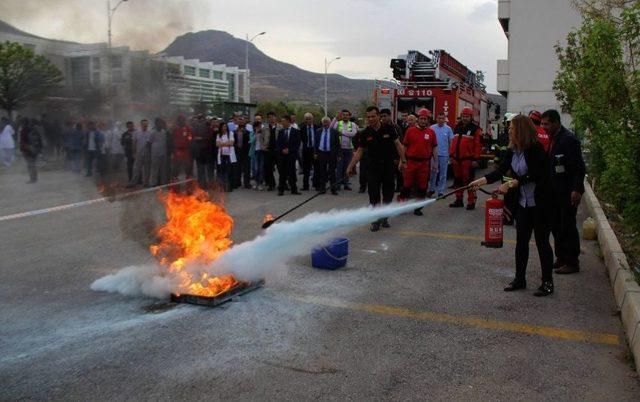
467,111
535,115
424,113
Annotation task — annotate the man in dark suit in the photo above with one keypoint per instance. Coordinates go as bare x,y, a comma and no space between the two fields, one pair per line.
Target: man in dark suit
567,177
271,155
288,145
327,148
307,136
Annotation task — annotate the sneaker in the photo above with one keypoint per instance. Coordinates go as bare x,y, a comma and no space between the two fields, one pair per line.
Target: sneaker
384,222
430,193
471,207
260,188
418,212
456,204
347,188
440,195
375,226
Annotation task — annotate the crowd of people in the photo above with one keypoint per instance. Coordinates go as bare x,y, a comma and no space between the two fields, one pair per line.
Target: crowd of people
542,170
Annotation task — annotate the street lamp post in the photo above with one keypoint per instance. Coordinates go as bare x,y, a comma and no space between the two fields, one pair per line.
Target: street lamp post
110,13
246,59
326,69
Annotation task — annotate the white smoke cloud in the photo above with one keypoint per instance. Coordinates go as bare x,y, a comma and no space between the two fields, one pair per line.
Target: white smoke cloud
257,258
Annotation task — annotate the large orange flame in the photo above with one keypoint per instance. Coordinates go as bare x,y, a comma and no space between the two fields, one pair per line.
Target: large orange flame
197,231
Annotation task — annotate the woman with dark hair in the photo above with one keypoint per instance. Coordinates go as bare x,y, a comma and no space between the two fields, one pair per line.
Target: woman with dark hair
226,156
526,162
159,143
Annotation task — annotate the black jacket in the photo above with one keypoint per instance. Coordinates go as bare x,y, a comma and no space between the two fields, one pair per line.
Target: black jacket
566,165
537,172
334,139
241,149
304,136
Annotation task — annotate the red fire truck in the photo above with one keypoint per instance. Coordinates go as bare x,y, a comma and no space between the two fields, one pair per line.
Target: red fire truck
438,82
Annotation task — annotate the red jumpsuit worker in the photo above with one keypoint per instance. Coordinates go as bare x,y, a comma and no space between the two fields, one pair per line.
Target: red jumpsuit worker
420,142
181,159
465,151
543,137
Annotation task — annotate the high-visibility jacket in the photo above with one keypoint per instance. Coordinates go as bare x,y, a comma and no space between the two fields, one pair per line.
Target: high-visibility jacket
466,143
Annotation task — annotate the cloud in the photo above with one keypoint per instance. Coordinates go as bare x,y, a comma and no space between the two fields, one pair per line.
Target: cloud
365,33
484,12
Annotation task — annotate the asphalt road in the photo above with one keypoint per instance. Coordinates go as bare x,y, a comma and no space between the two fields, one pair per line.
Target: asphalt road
417,314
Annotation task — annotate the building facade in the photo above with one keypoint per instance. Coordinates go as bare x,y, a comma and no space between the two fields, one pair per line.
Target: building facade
85,67
196,81
533,28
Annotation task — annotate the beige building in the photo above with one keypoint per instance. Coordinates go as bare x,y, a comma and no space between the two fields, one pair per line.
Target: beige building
533,28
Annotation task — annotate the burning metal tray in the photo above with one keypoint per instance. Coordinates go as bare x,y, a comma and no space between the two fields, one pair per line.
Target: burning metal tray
214,301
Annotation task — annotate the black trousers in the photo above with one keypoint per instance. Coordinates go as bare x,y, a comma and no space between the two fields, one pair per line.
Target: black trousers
308,162
269,165
326,170
533,219
242,171
364,166
381,177
287,172
565,233
130,161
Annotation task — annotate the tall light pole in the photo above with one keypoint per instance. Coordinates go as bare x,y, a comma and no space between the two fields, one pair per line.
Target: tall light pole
110,12
246,60
326,69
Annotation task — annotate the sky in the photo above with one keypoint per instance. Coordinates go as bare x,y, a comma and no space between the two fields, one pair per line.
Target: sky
366,34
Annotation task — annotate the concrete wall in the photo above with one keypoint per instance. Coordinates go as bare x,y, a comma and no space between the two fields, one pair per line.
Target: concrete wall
534,27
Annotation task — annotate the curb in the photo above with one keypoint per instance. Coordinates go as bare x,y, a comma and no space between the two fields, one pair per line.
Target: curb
626,290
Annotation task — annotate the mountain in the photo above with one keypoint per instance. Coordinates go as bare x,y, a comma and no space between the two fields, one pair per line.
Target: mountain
270,79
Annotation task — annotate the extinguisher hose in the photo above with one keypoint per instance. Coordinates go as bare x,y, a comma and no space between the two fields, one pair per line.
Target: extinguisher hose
443,196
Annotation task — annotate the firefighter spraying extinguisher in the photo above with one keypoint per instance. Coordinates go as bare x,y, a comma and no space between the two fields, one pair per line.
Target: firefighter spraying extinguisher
493,233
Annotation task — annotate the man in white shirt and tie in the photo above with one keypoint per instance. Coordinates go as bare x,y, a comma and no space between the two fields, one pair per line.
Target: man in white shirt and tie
307,136
327,149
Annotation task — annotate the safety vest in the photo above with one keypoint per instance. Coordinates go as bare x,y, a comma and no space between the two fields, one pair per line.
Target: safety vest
349,128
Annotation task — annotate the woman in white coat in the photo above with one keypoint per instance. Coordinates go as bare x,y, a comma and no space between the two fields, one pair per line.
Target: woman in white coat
7,142
226,156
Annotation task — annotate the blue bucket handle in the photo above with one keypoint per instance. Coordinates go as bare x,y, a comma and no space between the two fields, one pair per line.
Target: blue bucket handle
335,243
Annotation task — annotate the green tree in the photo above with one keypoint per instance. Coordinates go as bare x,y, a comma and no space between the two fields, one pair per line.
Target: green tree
24,76
599,84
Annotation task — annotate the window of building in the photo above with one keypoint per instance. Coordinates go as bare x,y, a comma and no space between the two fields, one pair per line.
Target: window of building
96,63
188,70
231,78
80,73
118,76
116,61
217,75
204,73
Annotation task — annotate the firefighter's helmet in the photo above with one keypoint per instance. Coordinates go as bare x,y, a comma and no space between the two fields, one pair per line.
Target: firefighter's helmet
467,111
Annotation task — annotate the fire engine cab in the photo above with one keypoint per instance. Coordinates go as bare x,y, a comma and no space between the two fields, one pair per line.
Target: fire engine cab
438,82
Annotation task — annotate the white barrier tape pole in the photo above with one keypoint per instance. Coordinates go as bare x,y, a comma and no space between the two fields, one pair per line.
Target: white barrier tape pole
88,202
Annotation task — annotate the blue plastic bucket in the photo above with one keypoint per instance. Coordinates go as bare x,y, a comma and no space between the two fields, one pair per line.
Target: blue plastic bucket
332,255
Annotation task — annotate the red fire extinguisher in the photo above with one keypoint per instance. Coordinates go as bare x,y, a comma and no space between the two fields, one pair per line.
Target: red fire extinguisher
493,234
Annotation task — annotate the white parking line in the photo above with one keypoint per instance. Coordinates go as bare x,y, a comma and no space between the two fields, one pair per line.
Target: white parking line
84,203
